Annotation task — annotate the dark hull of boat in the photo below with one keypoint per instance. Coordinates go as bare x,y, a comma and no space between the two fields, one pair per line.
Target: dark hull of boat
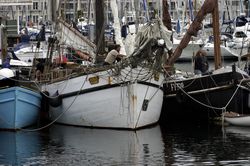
204,98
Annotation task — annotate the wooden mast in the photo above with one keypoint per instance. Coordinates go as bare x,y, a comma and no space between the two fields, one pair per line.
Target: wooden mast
99,40
216,32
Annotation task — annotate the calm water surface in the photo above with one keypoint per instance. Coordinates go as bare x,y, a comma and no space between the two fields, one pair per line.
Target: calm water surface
166,144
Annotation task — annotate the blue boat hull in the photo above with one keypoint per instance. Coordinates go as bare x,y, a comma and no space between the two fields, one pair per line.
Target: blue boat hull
19,107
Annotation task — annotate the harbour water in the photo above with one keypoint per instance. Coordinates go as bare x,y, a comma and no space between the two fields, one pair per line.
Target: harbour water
165,144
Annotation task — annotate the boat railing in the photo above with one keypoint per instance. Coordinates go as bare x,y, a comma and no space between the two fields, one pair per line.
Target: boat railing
56,75
59,74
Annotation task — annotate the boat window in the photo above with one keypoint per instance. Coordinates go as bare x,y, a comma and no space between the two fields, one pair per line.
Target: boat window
240,34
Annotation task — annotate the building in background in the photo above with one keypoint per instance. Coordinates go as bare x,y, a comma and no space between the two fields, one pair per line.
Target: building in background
33,12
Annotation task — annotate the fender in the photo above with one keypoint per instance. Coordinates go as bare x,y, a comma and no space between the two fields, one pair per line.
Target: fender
55,100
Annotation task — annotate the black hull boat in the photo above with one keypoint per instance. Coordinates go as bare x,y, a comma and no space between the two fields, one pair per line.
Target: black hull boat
199,97
207,96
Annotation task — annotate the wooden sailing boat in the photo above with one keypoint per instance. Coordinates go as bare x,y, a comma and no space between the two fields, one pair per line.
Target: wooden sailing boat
126,95
205,96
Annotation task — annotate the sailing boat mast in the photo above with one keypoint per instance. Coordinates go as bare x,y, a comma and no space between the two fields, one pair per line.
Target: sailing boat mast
217,53
99,40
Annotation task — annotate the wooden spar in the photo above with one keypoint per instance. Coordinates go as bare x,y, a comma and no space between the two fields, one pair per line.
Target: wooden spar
209,6
216,32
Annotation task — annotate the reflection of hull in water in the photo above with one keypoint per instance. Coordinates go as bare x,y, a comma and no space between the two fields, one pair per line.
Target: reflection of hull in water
238,131
112,146
17,148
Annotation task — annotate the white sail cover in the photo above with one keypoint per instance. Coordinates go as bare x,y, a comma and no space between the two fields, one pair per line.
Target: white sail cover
155,30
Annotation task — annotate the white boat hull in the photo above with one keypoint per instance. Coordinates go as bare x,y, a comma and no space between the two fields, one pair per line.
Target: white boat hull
238,120
226,52
190,50
107,104
29,52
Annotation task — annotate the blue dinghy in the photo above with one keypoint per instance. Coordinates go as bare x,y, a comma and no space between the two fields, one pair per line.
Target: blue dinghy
19,107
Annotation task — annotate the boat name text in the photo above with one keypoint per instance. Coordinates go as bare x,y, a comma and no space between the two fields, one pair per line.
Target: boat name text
176,86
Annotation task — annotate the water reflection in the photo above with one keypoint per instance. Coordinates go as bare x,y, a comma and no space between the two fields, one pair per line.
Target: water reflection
242,133
106,147
169,144
211,145
19,148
